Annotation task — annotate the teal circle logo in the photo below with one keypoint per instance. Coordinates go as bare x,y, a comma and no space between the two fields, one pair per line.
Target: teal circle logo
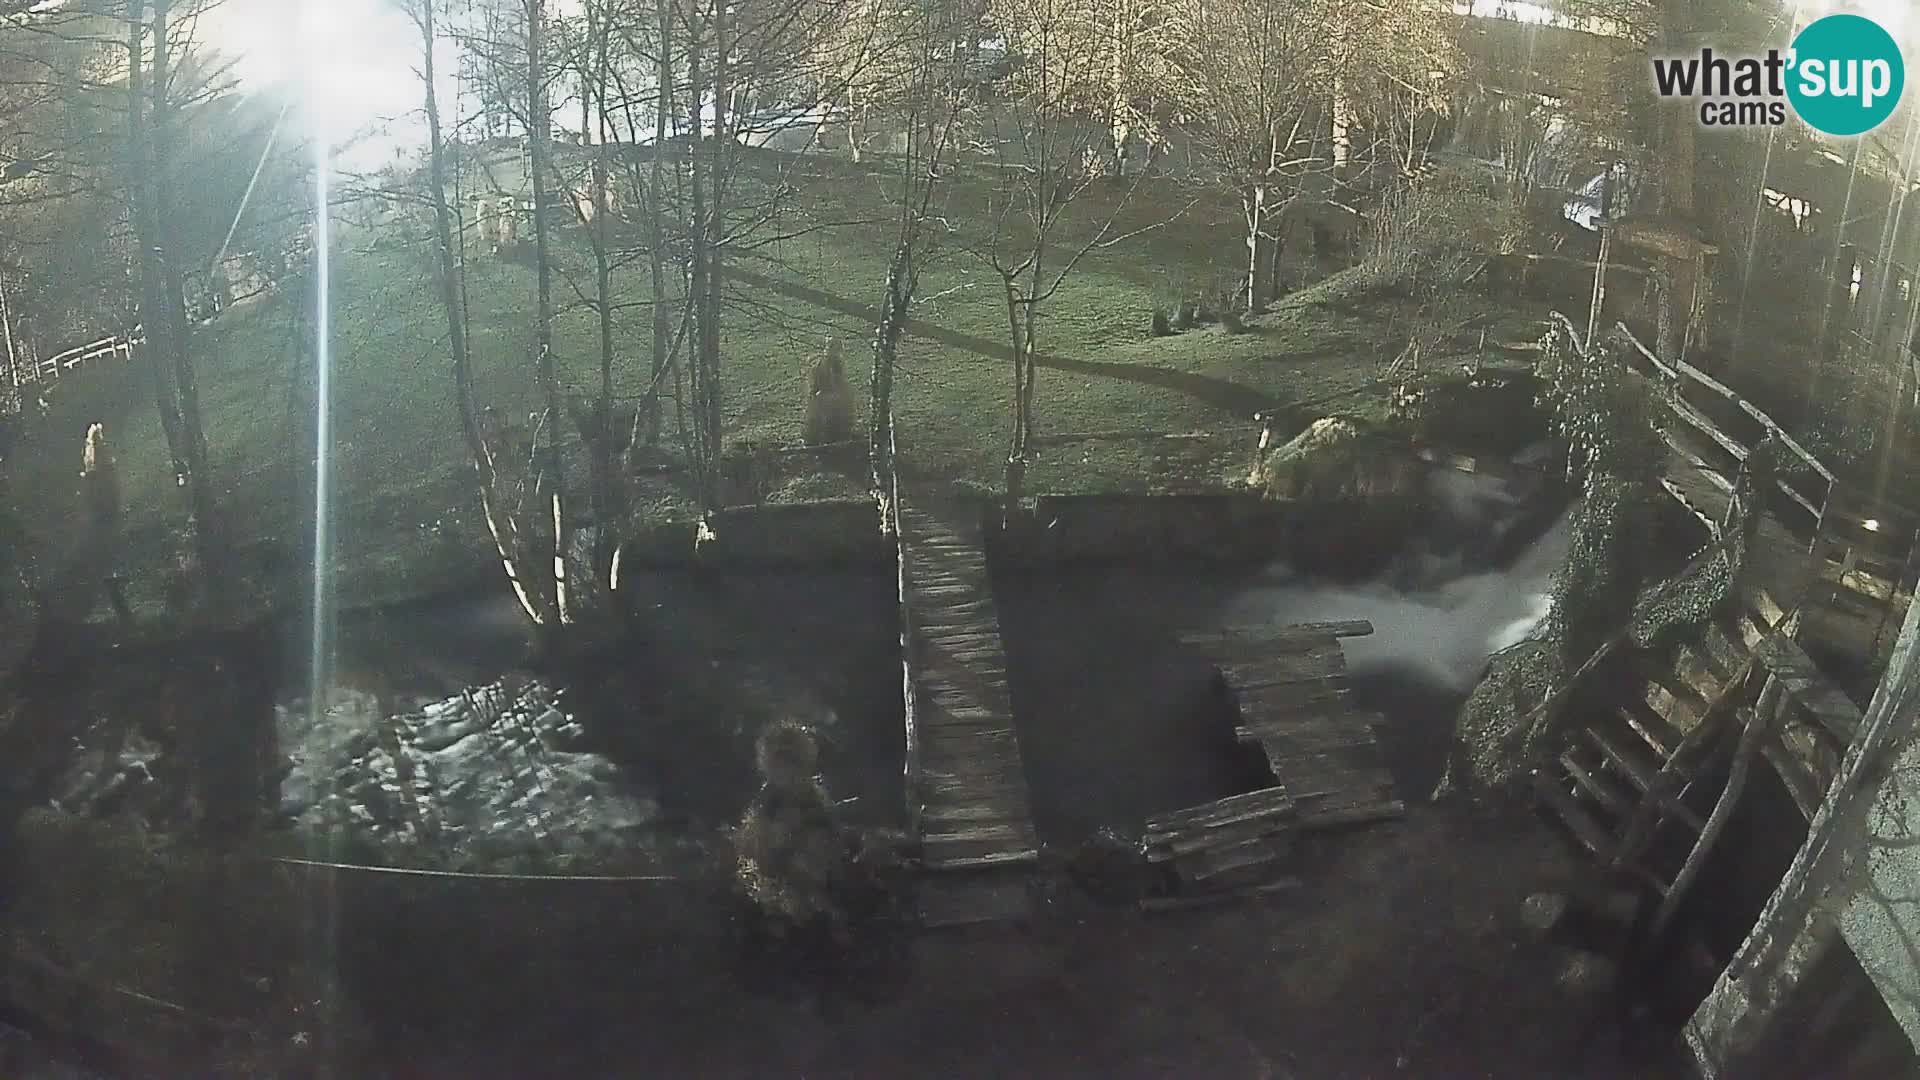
1845,75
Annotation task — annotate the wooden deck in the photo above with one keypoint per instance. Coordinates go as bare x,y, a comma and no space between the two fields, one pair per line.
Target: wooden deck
967,785
1290,685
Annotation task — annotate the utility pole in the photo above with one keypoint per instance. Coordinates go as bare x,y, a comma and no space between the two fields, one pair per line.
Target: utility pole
6,323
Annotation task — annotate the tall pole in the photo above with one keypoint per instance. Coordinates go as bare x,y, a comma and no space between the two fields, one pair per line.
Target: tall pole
1599,296
6,322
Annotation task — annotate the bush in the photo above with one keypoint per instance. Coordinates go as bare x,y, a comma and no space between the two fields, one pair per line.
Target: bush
1608,420
1492,744
789,849
1431,236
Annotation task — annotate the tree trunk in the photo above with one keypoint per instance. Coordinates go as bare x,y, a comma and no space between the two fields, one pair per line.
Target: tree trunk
717,216
1254,203
1341,114
1017,445
609,509
656,221
705,439
886,344
140,174
171,312
1679,284
539,139
504,533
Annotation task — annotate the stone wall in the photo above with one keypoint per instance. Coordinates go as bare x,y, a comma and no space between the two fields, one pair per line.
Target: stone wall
1336,537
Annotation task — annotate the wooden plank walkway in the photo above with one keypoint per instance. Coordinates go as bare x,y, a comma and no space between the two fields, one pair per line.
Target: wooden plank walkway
1291,686
967,783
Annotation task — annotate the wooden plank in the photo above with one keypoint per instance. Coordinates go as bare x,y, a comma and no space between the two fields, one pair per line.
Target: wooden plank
1578,821
1379,809
1653,729
1159,904
1603,791
1219,837
1264,799
1336,629
1213,865
1639,771
1325,697
1700,422
1022,857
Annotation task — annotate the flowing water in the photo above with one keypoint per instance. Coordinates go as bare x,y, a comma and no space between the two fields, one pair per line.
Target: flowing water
1115,718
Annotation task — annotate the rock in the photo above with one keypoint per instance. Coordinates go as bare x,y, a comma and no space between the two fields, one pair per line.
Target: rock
1335,459
1586,974
1542,912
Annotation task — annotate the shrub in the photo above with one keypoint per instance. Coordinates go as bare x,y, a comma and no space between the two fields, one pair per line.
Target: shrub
1432,235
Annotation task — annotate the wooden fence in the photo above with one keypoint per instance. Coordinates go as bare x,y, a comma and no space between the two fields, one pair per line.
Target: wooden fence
22,371
1869,545
1729,427
1716,412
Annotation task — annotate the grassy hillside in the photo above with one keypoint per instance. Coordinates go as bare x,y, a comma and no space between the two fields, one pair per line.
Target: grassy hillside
403,501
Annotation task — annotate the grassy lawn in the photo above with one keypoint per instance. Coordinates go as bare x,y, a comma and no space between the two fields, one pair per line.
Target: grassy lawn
403,505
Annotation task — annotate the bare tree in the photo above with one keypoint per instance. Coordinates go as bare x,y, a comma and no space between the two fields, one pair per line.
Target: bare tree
153,103
928,85
1047,149
540,152
507,536
1249,79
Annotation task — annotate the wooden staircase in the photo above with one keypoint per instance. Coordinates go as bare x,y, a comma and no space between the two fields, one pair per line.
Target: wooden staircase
1631,776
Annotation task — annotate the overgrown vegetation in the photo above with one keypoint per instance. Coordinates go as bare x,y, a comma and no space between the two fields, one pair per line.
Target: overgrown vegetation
1617,455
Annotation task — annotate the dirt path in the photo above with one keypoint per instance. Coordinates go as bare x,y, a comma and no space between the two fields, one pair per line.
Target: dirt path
1399,957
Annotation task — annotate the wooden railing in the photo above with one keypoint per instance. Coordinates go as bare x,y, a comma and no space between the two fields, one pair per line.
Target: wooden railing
1874,542
21,372
1712,408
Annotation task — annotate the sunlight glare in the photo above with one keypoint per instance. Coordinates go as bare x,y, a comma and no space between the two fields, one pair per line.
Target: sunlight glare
352,56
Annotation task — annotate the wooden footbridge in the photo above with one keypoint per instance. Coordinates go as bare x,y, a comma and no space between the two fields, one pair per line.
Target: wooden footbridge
1289,685
967,785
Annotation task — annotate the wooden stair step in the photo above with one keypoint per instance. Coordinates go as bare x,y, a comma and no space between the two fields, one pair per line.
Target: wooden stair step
1641,772
1621,756
1598,842
1660,737
1593,781
1377,807
1722,642
1693,667
1680,707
